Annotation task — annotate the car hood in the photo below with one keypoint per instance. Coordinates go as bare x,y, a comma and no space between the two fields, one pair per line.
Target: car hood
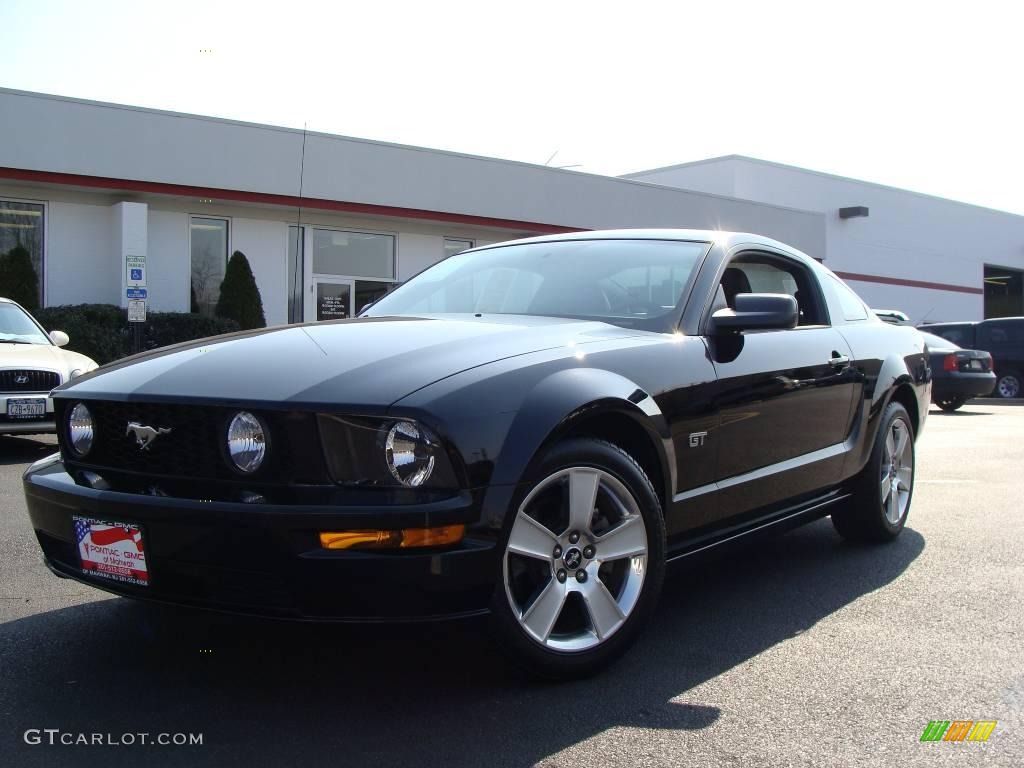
365,362
43,357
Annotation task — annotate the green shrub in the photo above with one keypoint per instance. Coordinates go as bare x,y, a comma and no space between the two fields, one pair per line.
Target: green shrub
239,296
101,330
18,279
164,328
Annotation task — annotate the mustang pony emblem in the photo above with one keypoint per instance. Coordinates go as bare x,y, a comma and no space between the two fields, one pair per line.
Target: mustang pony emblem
145,435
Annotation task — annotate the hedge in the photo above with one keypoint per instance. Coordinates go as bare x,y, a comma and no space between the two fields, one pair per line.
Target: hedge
100,331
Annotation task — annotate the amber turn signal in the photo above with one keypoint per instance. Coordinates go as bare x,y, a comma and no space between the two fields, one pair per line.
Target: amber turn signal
401,539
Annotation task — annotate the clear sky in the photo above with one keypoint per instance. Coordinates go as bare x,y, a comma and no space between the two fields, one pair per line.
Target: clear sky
926,96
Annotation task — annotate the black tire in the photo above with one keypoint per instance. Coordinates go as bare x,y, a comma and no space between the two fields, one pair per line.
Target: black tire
864,515
1008,385
950,404
515,598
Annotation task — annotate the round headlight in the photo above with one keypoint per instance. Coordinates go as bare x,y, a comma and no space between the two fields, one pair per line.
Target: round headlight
247,442
80,429
409,453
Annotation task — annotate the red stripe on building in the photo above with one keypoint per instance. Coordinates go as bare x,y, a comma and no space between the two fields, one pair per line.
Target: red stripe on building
265,198
909,283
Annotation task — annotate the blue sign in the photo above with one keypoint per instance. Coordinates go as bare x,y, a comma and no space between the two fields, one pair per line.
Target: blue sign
137,293
136,274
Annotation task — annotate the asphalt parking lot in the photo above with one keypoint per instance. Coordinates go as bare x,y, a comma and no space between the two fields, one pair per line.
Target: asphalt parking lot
806,651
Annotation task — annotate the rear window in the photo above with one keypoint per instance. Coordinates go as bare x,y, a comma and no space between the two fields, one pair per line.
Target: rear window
937,342
958,334
850,304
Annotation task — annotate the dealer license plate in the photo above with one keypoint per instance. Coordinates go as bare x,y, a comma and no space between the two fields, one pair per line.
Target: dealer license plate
112,550
27,408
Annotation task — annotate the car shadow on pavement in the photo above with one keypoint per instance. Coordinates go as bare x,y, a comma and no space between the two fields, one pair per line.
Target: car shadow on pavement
21,450
268,693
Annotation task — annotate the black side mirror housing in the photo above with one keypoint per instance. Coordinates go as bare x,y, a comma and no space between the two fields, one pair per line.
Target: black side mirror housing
755,312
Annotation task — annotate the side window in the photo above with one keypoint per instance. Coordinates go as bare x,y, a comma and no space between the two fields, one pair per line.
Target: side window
751,273
849,302
1003,333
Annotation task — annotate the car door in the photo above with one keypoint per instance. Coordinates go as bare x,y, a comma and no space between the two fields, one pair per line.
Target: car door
784,397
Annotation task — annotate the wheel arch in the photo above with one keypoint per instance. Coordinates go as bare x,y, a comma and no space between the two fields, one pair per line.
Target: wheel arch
583,402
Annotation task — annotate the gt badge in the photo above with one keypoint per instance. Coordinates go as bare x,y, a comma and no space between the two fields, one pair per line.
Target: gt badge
697,439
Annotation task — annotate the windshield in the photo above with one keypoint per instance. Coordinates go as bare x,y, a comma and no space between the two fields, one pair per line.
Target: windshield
634,283
17,326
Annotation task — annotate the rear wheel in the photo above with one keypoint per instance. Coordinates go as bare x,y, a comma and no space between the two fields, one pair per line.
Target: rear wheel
583,562
950,404
1008,385
878,508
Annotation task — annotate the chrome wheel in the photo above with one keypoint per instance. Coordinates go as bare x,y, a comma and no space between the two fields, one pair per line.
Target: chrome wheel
897,471
576,559
1008,386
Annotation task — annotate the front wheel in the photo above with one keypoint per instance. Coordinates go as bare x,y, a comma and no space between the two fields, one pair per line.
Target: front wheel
583,562
1008,385
880,503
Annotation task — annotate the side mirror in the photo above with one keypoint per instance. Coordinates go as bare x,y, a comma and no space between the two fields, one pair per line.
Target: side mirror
756,311
59,338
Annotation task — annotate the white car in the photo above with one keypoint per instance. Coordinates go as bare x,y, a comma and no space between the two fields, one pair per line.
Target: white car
32,363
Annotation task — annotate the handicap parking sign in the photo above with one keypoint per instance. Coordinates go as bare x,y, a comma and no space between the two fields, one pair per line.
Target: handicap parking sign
136,274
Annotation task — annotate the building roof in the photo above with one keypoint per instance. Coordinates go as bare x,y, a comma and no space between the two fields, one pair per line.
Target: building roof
798,169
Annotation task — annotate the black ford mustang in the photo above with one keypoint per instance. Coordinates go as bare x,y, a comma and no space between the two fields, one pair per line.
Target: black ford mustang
531,429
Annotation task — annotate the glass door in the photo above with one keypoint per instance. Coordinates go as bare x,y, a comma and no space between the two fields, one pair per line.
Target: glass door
332,298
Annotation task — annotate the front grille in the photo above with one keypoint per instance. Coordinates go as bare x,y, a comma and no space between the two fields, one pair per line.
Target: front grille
194,446
28,380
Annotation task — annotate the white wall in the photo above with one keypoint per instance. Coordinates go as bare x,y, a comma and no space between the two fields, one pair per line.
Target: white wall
265,245
82,264
168,264
48,133
417,252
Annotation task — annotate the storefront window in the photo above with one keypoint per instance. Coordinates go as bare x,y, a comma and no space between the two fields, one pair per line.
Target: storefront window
454,245
21,245
209,244
353,254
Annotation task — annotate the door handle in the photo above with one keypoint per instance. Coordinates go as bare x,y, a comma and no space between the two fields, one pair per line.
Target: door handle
839,362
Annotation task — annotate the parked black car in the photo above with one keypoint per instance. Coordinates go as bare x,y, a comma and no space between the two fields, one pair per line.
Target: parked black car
531,429
1003,338
957,374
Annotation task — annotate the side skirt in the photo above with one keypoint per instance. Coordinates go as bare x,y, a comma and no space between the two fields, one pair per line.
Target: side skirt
769,525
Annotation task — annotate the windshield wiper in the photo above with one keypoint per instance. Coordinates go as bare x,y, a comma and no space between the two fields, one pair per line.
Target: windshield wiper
14,341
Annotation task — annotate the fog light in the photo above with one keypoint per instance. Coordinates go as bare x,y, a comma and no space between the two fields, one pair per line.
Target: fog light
247,442
400,539
80,429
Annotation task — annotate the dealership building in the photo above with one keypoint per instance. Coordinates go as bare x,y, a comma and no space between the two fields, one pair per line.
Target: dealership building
327,223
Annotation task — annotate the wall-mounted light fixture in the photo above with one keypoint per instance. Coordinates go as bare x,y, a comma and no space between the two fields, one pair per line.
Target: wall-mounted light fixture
853,212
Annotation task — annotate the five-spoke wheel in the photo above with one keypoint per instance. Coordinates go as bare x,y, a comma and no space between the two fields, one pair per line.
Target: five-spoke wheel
583,560
897,475
880,500
578,534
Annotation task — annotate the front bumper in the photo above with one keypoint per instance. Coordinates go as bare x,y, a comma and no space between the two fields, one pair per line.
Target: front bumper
266,559
9,426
